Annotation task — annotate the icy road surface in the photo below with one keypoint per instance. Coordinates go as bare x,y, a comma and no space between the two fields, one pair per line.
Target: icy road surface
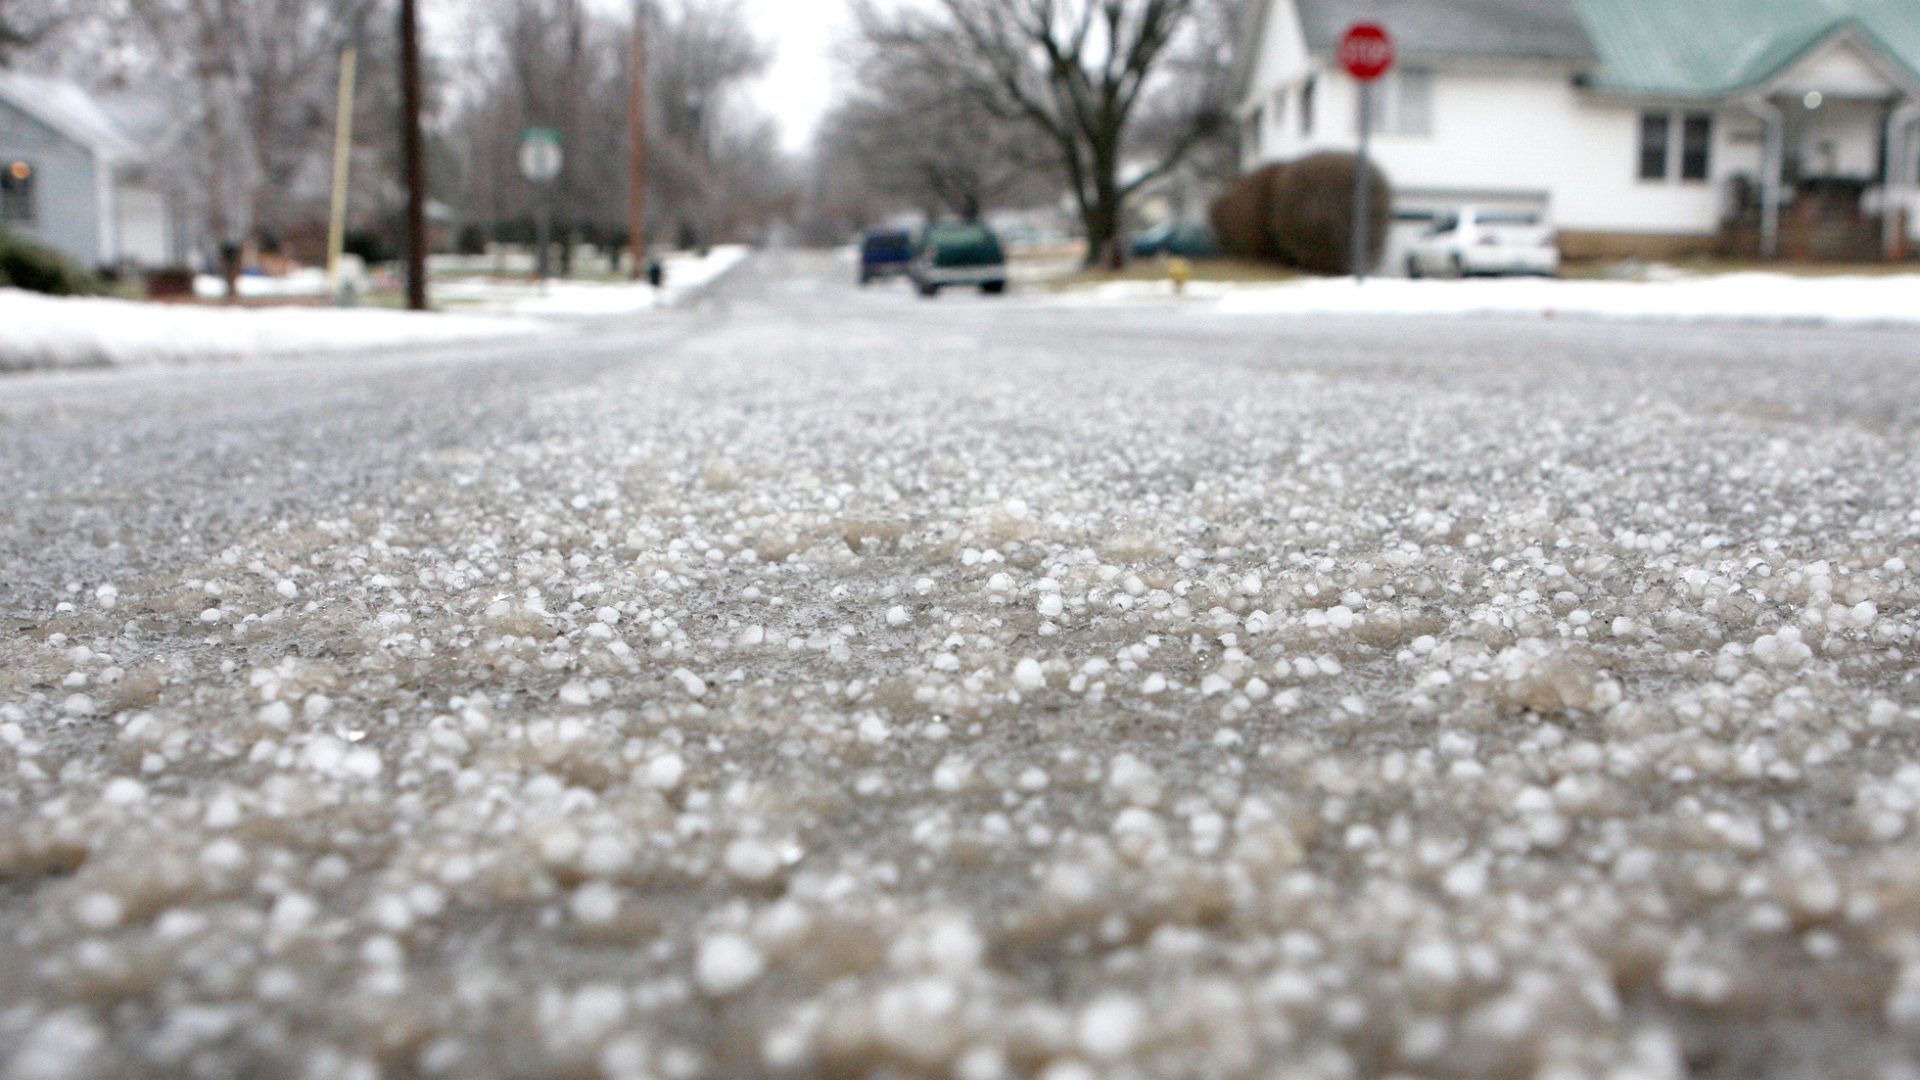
823,683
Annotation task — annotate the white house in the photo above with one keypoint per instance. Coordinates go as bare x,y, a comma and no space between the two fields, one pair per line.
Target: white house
1653,127
74,176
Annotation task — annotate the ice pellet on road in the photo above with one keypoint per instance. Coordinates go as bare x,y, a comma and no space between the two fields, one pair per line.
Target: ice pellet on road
980,692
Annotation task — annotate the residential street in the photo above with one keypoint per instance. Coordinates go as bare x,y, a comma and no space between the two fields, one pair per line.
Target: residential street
822,682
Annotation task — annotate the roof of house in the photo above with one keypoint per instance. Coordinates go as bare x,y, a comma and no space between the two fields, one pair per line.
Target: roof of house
1685,47
1511,29
68,109
1681,48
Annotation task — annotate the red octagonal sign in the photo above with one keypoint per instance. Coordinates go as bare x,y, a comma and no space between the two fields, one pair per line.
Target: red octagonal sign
1367,51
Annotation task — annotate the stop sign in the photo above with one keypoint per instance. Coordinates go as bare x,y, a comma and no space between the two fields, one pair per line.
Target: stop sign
1367,51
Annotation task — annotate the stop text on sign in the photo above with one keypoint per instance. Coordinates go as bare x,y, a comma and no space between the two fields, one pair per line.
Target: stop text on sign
1367,51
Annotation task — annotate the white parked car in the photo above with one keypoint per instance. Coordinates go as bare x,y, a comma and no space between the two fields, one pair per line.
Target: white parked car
1477,241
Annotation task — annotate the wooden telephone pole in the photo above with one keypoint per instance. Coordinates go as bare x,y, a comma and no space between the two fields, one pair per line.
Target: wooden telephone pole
414,149
637,154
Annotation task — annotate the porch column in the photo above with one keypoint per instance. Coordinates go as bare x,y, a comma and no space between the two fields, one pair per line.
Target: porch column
1899,184
1773,164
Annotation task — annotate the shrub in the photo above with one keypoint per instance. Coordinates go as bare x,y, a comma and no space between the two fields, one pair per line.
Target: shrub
1301,214
29,266
1311,213
1240,217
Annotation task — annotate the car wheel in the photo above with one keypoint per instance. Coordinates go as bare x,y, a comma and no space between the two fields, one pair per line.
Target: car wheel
994,288
930,291
1459,267
1413,268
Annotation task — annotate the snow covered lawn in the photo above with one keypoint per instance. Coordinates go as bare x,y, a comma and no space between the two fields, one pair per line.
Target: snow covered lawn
1778,298
41,332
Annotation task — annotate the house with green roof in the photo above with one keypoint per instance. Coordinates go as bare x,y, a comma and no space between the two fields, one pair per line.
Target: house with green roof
1638,127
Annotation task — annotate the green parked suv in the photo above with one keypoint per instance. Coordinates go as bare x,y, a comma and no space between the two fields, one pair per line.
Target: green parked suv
965,256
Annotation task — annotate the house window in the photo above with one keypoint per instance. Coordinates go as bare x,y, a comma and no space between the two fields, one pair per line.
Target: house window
1413,102
1403,102
16,194
1696,146
1306,105
1655,135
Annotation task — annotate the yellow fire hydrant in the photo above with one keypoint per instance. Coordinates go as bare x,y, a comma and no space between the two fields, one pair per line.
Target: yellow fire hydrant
1179,271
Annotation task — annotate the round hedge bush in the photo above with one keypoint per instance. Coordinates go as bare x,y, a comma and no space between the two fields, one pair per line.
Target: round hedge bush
1301,214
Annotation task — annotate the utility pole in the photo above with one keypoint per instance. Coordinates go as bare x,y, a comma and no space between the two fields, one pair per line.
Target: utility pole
637,133
415,152
342,164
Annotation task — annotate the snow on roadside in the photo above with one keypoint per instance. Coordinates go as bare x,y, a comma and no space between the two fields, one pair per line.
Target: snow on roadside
41,332
1757,297
685,274
310,282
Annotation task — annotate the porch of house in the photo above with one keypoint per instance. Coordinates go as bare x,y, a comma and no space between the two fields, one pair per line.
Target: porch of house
1839,177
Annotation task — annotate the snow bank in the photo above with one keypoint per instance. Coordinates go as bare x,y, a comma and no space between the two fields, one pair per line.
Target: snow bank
45,332
309,282
686,274
1780,298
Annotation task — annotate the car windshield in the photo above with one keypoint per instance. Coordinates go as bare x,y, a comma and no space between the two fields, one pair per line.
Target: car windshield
1509,219
889,244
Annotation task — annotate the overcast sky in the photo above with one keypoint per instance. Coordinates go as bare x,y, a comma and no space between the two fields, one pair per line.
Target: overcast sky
801,84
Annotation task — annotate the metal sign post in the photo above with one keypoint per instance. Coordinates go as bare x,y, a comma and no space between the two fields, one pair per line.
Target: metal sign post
541,160
1367,54
1362,196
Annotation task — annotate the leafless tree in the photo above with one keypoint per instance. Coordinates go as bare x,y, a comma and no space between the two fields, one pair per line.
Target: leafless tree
701,52
562,64
24,24
1080,73
1194,101
258,77
918,136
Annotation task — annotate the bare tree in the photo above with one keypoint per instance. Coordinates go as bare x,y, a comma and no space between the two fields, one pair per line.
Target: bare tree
258,77
1079,73
557,62
26,24
562,64
918,136
702,51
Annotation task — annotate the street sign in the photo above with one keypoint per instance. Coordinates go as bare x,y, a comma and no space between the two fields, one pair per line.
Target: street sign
541,158
1367,51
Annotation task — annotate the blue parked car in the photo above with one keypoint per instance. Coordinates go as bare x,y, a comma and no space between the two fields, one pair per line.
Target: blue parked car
885,253
1183,241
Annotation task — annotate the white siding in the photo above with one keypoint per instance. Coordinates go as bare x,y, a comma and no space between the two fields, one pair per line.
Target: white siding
1505,129
1837,68
1279,64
